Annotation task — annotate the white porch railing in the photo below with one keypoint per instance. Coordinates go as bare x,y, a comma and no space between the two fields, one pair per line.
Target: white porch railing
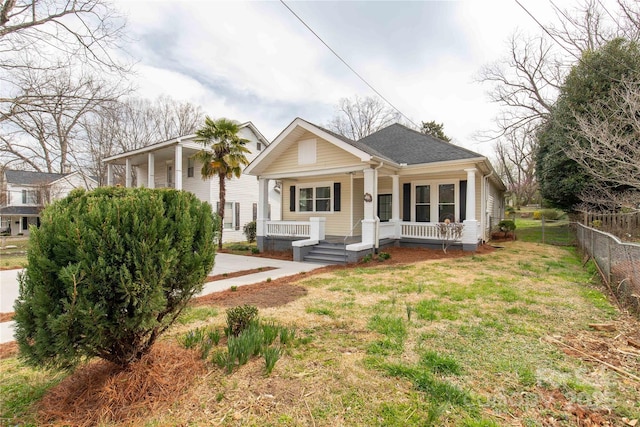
420,230
387,230
288,229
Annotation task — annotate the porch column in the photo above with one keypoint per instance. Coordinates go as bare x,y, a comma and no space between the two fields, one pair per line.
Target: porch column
127,173
369,221
177,162
263,212
470,231
151,171
395,204
109,174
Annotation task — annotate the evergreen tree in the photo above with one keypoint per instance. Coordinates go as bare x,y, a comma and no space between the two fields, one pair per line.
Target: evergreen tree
109,271
586,89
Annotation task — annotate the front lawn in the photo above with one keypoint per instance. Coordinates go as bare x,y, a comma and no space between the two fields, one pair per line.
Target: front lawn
483,340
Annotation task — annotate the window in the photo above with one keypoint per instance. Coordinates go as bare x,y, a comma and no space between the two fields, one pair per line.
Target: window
258,146
306,200
384,207
446,202
228,216
170,176
30,197
423,203
323,199
314,199
190,167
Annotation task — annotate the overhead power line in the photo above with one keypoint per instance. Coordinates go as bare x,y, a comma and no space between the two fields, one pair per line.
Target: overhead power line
347,65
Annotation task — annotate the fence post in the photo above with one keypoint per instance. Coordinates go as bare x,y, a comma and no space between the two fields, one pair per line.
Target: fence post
542,221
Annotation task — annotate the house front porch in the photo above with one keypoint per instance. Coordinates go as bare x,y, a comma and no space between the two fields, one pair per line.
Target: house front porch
303,237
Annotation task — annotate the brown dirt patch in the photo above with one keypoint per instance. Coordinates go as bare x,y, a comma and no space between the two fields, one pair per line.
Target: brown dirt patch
102,392
8,349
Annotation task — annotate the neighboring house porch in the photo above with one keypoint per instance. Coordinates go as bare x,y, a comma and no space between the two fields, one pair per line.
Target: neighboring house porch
396,186
171,164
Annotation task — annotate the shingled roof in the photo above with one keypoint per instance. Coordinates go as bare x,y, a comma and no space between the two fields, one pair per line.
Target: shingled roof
404,145
31,178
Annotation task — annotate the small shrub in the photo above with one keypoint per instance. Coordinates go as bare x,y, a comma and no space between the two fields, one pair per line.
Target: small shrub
268,279
214,336
255,251
550,214
507,226
367,258
596,223
239,318
384,256
193,338
249,231
287,335
510,211
271,356
269,332
234,288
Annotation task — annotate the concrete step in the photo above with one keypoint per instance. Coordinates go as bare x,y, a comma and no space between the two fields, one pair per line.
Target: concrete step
325,259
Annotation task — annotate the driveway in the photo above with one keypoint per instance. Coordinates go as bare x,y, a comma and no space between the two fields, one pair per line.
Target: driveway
225,263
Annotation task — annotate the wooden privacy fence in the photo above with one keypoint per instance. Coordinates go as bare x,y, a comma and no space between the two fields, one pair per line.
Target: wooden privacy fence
620,224
618,263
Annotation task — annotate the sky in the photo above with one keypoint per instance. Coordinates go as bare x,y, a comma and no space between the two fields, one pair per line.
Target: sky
255,61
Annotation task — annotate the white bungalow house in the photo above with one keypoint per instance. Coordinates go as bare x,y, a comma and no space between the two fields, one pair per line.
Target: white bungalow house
25,193
171,164
342,199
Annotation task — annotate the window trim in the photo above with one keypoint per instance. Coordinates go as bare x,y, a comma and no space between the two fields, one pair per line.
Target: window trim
191,165
314,186
434,198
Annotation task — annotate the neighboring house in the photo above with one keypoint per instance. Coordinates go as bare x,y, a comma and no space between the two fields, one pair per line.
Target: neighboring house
25,193
392,187
171,164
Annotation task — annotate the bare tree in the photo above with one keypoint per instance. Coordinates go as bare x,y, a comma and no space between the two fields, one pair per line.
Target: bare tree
526,81
516,165
359,117
134,123
42,125
86,30
612,154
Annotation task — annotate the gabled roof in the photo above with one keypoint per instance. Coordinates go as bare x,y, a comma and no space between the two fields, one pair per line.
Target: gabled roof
404,145
31,178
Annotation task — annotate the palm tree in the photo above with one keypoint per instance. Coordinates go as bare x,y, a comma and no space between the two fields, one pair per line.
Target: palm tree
224,158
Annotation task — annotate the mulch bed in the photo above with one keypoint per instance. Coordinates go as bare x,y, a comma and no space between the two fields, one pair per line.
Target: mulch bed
101,392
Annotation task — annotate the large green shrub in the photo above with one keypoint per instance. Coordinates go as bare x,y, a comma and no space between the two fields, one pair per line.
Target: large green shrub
109,271
250,230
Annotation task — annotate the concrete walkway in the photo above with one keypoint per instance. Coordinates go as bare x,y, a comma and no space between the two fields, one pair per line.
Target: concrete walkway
225,263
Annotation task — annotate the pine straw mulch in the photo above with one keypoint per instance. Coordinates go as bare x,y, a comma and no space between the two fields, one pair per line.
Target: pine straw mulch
102,392
6,317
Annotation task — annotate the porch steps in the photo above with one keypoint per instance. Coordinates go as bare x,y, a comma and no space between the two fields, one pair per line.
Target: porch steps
327,253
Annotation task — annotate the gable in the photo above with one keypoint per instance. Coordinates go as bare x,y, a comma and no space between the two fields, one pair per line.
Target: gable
309,152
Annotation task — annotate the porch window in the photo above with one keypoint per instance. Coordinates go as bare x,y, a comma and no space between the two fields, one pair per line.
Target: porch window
384,207
190,167
446,202
423,203
315,199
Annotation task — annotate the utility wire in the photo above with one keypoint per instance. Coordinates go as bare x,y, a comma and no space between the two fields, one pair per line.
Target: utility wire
347,65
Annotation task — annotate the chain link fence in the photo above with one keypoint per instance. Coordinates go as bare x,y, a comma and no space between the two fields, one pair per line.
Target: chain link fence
617,262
